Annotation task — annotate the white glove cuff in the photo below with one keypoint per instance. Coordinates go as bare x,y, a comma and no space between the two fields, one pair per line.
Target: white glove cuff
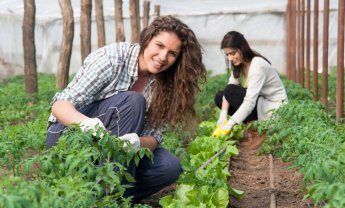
231,123
223,114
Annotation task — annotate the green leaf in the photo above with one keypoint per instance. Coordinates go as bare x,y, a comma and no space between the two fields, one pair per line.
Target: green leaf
236,193
221,198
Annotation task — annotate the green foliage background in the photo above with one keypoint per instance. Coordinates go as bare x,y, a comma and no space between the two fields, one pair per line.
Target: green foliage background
302,131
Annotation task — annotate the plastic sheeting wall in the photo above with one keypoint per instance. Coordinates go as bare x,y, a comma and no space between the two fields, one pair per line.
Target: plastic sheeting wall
262,23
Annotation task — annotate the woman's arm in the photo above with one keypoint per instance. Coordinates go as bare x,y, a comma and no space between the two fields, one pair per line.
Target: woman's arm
148,142
225,105
66,113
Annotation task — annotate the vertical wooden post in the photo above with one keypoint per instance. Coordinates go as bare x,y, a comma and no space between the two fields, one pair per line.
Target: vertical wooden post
135,20
157,11
293,40
308,48
146,13
298,48
288,39
85,28
120,31
315,50
67,43
340,62
325,53
30,66
301,75
100,23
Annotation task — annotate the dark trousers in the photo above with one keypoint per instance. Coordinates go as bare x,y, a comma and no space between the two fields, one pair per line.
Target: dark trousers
234,94
121,114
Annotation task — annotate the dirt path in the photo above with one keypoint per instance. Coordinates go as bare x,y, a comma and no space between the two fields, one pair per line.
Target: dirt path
251,174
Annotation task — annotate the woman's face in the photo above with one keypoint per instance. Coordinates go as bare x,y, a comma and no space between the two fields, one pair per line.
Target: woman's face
161,52
234,56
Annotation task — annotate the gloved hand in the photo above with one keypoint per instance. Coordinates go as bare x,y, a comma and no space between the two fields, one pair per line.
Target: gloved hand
133,138
225,129
92,124
222,117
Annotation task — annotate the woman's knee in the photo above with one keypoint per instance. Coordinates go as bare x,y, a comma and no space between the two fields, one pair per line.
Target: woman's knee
218,99
134,100
172,169
232,88
53,134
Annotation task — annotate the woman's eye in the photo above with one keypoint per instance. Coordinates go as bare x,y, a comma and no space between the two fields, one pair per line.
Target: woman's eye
160,45
173,54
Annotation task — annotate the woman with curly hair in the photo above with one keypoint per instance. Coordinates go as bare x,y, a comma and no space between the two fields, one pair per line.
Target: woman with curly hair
136,91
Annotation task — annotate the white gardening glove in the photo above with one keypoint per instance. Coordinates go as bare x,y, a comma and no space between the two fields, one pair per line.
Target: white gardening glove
228,126
222,117
92,124
133,138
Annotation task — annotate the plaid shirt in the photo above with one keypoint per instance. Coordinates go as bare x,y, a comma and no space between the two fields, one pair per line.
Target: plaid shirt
105,72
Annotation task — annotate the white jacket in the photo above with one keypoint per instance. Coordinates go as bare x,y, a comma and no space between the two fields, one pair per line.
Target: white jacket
263,82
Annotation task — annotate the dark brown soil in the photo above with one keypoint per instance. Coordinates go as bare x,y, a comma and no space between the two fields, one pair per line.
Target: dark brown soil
250,173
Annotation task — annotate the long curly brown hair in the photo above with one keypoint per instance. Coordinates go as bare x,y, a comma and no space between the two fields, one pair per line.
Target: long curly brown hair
174,90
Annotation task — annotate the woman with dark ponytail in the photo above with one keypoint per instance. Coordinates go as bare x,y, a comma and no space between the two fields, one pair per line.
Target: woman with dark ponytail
254,88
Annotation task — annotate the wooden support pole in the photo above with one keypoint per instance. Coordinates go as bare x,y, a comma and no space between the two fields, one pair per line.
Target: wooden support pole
30,65
100,23
298,47
157,11
119,26
146,13
315,50
307,64
288,39
134,15
67,44
340,62
325,53
85,28
293,40
301,75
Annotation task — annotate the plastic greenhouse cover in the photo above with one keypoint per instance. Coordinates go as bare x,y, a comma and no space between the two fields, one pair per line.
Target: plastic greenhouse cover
262,23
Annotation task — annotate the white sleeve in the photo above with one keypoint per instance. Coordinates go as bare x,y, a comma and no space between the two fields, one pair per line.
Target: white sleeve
255,82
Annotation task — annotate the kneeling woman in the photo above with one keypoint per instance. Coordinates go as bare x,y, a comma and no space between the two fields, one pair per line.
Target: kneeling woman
135,91
254,88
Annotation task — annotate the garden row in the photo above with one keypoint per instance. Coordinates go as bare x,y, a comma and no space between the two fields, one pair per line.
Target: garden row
301,131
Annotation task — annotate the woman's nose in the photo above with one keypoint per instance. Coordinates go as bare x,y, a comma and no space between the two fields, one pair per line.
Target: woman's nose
163,55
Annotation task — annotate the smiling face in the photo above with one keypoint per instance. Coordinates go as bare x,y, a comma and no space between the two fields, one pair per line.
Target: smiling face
234,56
161,53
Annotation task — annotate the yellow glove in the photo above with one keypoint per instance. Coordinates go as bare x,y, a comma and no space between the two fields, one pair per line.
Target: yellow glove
224,129
219,131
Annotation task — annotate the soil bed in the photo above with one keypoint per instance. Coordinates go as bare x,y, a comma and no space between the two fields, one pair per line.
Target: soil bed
250,173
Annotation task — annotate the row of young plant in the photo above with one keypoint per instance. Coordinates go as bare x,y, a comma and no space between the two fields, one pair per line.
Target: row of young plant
70,173
23,121
205,159
75,173
313,140
204,181
80,171
306,134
